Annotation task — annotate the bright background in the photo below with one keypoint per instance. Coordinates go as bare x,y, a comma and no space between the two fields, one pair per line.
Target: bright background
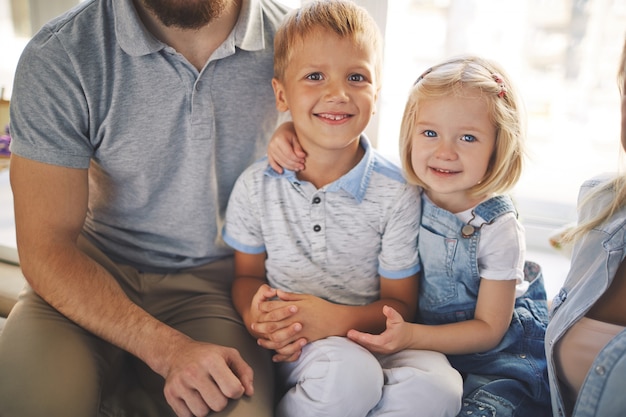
563,55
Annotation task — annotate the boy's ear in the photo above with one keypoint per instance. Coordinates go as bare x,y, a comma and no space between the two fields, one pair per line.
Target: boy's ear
279,93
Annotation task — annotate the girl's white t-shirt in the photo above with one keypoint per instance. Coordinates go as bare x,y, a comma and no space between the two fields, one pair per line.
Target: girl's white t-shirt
501,248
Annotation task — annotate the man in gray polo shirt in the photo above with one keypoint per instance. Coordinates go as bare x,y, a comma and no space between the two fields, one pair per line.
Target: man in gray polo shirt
131,121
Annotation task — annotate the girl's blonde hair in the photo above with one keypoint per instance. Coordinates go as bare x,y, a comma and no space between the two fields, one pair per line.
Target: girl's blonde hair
616,185
506,111
342,17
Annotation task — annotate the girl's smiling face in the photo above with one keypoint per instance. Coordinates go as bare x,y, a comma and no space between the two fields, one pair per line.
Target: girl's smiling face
452,146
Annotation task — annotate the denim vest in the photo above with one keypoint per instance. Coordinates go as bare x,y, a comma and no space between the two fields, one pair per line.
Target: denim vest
595,259
510,379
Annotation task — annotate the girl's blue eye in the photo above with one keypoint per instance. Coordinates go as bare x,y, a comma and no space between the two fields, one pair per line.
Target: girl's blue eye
468,138
430,133
316,76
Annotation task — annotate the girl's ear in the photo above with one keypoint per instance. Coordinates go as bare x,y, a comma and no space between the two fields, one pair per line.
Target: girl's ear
279,93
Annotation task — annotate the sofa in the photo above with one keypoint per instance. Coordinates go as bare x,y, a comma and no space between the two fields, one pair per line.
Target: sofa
11,283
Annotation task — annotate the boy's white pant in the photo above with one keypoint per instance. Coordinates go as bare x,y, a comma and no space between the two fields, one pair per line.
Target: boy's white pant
337,377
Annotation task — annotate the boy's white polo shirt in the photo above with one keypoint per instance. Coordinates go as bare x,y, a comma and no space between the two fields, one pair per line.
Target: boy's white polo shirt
334,242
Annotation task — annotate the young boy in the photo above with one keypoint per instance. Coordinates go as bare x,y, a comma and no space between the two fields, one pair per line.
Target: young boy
321,251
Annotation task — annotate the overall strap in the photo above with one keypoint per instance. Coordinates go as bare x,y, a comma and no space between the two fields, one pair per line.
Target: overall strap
495,207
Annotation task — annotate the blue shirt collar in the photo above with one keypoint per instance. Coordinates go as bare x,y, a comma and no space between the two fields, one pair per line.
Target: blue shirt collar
354,182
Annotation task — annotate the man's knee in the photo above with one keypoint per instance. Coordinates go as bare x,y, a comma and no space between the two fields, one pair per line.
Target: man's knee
48,366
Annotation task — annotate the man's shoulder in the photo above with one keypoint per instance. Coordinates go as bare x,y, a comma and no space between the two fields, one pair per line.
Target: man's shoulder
88,15
78,31
274,10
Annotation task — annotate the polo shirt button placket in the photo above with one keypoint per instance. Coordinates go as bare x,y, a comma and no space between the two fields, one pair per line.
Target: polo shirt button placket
316,200
317,226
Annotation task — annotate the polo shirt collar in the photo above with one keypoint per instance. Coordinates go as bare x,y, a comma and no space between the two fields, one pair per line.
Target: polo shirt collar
136,40
355,182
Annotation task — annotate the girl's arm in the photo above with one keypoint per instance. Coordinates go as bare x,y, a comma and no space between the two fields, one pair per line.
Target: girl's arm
284,150
494,310
492,318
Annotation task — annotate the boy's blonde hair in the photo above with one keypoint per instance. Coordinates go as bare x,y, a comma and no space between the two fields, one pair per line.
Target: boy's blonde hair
617,185
453,77
342,17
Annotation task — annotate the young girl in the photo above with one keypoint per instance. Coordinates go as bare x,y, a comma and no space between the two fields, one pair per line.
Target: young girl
586,337
479,302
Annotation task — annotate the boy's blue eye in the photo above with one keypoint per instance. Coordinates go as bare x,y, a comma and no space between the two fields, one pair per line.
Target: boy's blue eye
356,77
316,76
430,133
468,138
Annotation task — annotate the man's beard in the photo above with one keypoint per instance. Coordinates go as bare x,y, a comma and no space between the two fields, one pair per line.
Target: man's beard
186,14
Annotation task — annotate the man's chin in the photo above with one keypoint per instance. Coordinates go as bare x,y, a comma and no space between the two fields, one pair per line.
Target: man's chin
186,14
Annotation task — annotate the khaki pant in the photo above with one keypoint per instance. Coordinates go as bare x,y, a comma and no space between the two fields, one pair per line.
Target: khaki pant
51,367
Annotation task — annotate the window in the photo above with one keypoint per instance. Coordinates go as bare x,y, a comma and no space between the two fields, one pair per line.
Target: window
563,56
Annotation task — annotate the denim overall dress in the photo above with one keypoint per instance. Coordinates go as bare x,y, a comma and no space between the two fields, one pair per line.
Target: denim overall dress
510,379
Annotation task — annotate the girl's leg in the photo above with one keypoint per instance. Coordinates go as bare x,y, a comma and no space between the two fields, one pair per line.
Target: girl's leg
501,397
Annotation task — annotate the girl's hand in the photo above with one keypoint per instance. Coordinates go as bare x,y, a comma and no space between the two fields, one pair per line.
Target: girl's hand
284,150
395,338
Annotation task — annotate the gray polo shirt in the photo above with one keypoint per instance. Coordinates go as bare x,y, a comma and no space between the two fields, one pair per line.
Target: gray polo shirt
163,142
334,242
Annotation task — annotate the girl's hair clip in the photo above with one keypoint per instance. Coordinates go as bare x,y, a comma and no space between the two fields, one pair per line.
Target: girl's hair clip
425,73
500,83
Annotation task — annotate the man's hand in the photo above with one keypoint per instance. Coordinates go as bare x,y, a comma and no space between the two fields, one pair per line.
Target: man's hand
203,377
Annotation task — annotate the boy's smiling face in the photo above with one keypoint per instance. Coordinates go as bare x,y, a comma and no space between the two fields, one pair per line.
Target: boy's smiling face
330,88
